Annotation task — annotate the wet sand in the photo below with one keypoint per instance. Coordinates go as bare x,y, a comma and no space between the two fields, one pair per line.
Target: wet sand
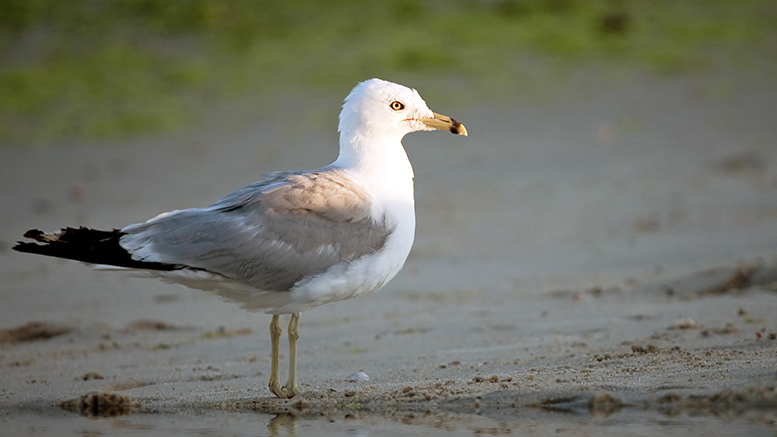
598,258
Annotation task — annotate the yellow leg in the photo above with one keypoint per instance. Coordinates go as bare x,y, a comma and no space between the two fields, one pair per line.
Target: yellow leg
291,389
275,336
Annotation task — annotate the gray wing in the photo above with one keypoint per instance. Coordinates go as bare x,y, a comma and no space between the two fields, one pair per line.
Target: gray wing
269,234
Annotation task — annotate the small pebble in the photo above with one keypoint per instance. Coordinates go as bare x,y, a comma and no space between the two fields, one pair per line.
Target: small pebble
684,323
90,375
359,377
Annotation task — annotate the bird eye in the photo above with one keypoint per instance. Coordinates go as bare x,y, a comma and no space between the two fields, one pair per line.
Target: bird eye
397,106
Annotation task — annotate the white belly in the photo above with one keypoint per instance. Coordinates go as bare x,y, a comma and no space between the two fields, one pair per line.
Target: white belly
364,275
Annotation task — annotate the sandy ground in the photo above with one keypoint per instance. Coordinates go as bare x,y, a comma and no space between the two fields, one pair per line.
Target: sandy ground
601,260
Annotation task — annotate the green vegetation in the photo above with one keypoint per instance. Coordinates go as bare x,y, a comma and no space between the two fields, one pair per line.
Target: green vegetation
100,69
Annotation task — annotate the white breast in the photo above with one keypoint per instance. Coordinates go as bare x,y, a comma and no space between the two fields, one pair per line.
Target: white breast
368,273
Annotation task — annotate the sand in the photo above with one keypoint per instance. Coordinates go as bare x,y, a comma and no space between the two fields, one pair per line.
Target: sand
595,261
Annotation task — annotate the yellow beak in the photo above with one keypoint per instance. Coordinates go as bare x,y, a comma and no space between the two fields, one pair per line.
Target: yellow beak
443,122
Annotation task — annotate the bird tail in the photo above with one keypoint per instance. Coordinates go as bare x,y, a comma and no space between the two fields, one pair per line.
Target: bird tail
87,245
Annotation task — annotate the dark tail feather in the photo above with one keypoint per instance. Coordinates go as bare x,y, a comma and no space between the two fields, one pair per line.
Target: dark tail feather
86,245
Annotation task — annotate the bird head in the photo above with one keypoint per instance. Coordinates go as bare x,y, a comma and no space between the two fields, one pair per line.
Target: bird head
387,109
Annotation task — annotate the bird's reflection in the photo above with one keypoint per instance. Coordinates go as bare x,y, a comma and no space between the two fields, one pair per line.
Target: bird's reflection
283,425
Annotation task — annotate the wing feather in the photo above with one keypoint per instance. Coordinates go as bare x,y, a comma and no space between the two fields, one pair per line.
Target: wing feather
269,234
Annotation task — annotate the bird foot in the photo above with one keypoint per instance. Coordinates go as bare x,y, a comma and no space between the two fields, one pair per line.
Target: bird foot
277,390
291,392
284,392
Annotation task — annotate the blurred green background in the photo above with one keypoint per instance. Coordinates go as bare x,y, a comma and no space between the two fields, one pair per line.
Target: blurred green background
99,69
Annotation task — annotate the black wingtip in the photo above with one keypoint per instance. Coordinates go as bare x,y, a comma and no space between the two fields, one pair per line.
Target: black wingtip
86,245
35,234
26,246
23,247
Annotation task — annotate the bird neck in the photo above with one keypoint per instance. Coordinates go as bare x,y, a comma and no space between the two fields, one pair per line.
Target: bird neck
382,164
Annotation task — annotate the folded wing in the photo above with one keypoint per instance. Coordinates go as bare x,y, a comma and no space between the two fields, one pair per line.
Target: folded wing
269,234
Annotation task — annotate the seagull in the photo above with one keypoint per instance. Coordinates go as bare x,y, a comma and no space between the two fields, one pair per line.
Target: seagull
293,240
